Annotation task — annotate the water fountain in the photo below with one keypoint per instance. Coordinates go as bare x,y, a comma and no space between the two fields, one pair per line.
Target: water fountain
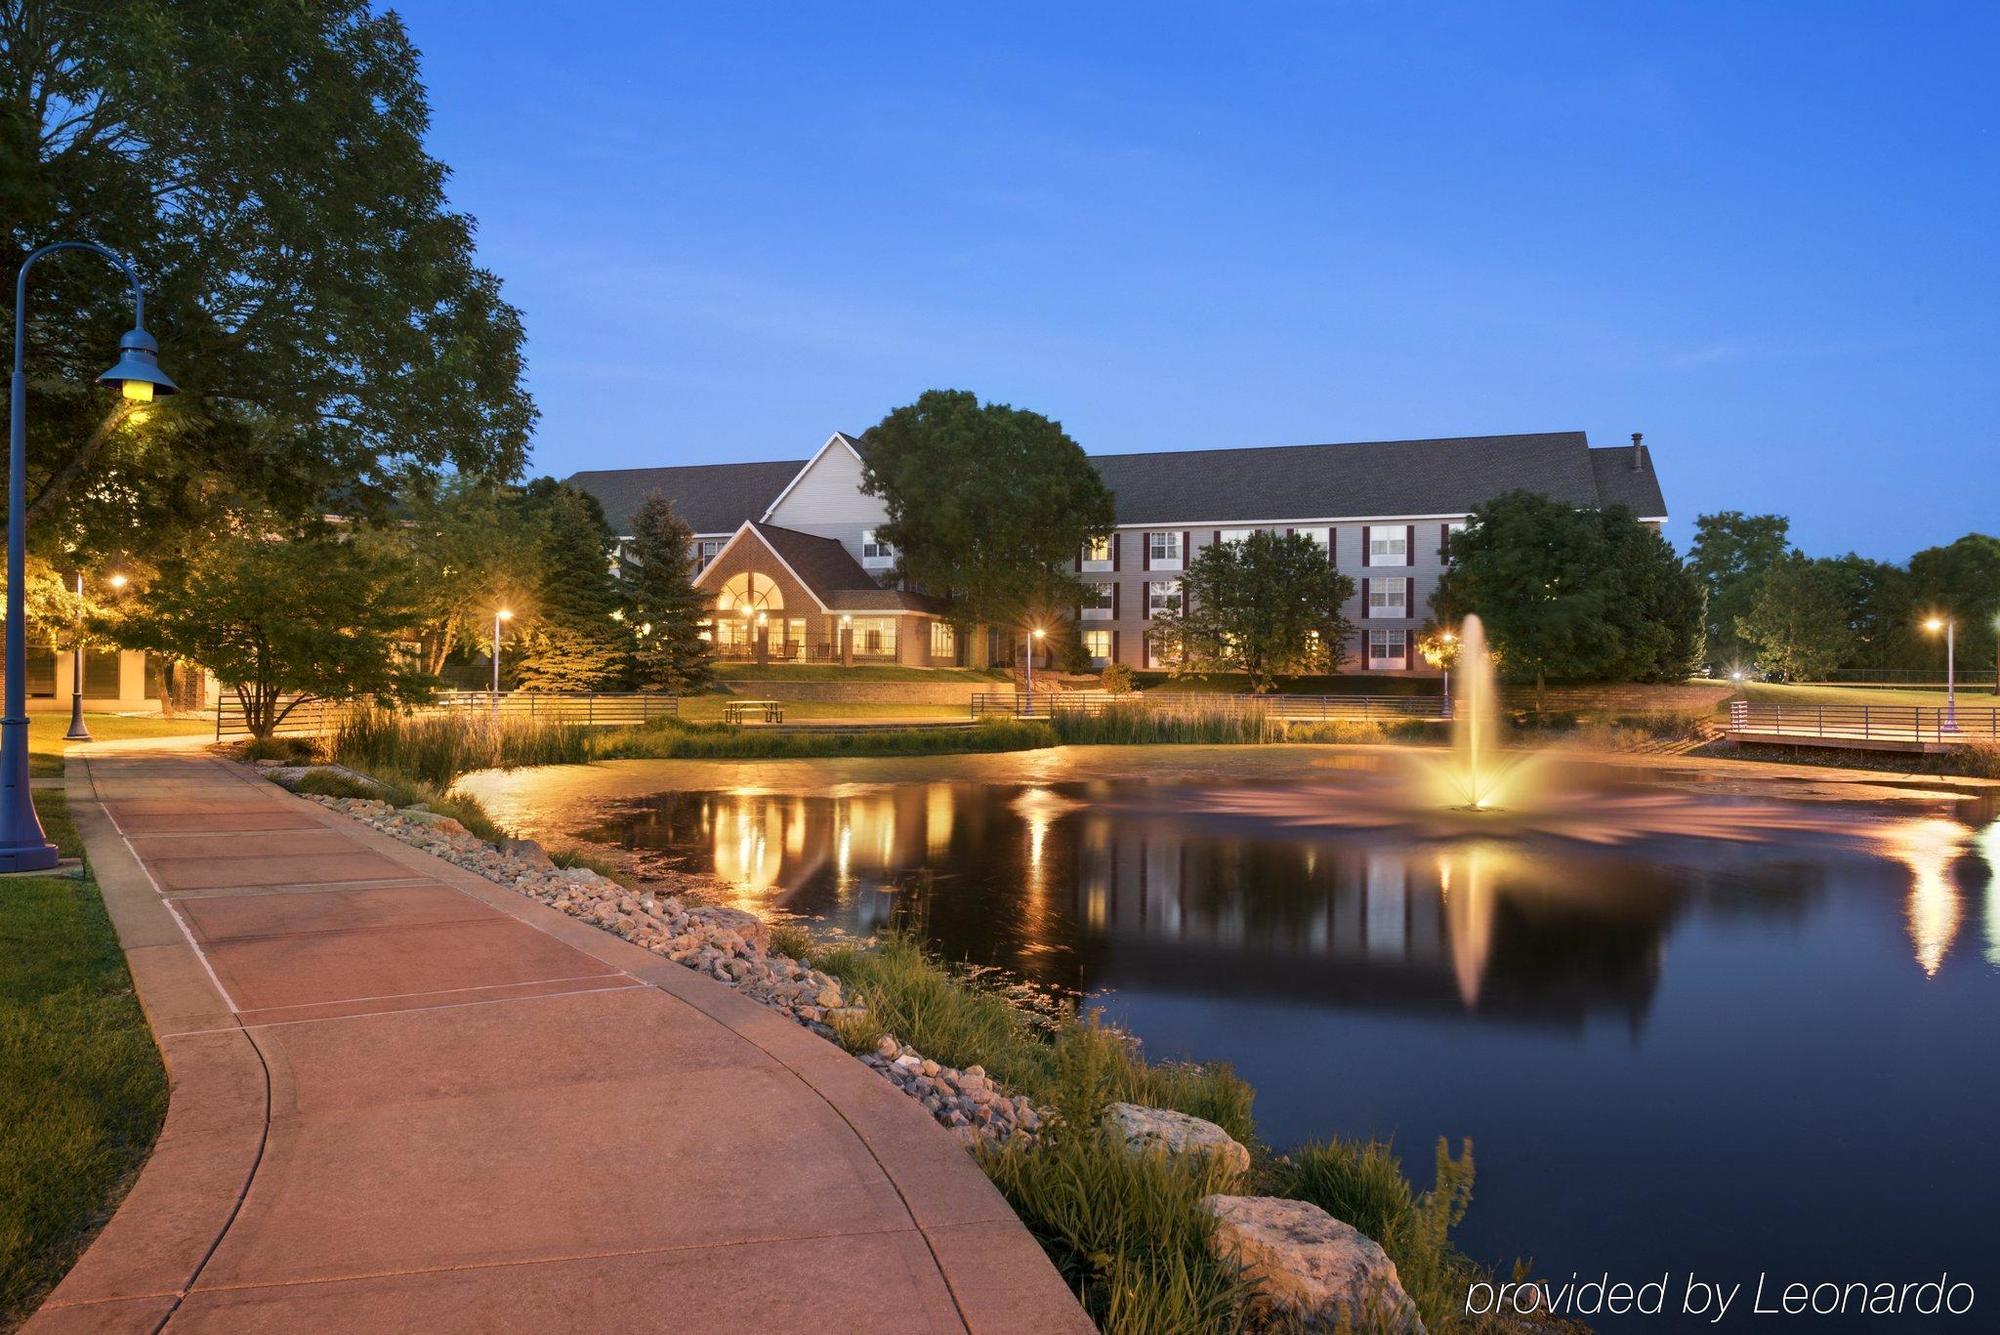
1476,775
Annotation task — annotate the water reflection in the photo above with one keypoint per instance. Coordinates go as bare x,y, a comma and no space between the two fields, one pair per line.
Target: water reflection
1108,885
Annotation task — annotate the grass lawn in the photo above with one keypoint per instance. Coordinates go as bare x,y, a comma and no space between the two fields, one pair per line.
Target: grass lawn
835,672
1976,695
1235,683
45,733
708,709
82,1091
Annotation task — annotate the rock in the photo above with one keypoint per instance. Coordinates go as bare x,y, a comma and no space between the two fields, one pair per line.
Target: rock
1309,1265
433,820
528,851
1176,1133
887,1048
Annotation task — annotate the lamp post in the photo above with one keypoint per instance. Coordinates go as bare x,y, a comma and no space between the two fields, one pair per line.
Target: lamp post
1950,629
1450,639
1034,641
23,845
77,731
500,614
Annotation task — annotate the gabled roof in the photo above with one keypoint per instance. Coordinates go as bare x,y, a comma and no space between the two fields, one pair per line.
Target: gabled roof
1251,485
1386,478
827,569
712,498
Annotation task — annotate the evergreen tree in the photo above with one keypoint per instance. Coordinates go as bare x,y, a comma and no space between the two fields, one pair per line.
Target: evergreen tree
576,638
662,606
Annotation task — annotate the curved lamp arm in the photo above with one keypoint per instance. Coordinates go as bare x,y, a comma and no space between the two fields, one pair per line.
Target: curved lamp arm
118,262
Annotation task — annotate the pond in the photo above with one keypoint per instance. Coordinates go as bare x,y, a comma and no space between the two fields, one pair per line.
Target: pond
1734,1035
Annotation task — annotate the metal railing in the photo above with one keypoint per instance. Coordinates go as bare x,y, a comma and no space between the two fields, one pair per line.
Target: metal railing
1293,708
314,717
1864,724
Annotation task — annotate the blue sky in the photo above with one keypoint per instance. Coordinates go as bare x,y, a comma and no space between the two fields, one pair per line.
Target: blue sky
1763,234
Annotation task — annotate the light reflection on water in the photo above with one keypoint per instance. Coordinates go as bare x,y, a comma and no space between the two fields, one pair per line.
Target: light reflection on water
1658,1044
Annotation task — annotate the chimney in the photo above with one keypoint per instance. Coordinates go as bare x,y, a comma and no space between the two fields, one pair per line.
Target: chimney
1638,451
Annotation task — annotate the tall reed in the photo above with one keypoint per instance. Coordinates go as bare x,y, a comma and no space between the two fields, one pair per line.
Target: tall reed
438,750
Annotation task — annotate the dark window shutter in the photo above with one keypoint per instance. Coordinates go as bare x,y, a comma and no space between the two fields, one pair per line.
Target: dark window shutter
1217,537
1409,595
1145,551
1364,594
1367,555
1079,560
1410,546
1444,540
1115,545
1114,600
1114,646
1187,548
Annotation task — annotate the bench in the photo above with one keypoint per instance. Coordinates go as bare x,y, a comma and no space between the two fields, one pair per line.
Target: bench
740,711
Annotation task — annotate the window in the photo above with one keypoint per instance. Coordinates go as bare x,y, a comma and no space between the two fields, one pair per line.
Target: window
1097,643
1163,595
944,640
709,550
875,553
1318,536
874,637
1387,647
1444,549
1388,546
1097,602
1164,548
1388,598
1236,534
1097,551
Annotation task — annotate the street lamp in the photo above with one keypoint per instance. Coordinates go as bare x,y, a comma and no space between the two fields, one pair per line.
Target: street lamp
23,845
77,731
500,614
1034,639
1450,638
1950,629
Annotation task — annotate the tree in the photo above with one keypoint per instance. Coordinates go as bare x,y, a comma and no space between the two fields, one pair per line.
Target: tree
313,293
1574,595
661,604
1732,553
307,616
1266,604
1960,580
1798,629
988,505
575,637
472,547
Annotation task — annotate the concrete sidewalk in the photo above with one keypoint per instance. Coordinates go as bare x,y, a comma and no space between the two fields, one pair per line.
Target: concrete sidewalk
405,1098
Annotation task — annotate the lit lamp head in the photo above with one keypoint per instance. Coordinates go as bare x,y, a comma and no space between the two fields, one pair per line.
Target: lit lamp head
118,582
1934,624
1038,632
138,375
504,614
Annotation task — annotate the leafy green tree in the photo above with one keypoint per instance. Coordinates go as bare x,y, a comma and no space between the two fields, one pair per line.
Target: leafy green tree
282,620
1267,604
575,637
1573,595
312,291
1878,605
999,539
661,603
1732,553
1960,580
473,547
1799,628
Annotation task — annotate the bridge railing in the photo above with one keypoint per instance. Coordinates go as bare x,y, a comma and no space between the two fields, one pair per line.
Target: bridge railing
1866,723
601,709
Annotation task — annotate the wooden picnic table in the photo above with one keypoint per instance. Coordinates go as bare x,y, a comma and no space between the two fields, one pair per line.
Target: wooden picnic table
739,711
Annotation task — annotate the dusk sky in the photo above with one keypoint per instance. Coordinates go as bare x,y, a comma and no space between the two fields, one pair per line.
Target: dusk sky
1763,234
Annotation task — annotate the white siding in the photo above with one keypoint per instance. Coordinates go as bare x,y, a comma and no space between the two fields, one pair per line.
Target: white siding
827,500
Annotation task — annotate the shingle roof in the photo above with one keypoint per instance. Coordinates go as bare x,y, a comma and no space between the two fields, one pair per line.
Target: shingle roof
1387,478
712,498
833,574
1255,484
1618,483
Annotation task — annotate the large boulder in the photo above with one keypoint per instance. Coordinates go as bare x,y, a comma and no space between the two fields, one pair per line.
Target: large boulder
1176,1133
1309,1265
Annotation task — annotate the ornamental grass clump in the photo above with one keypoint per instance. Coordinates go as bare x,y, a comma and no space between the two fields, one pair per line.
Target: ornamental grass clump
1136,722
1362,1184
438,750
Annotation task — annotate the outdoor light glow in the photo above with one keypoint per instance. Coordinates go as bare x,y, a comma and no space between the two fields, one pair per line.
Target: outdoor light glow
138,391
1934,625
118,581
504,614
1038,632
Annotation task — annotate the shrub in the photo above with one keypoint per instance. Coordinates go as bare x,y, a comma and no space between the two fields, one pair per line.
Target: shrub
1116,678
438,750
1138,722
327,783
292,750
